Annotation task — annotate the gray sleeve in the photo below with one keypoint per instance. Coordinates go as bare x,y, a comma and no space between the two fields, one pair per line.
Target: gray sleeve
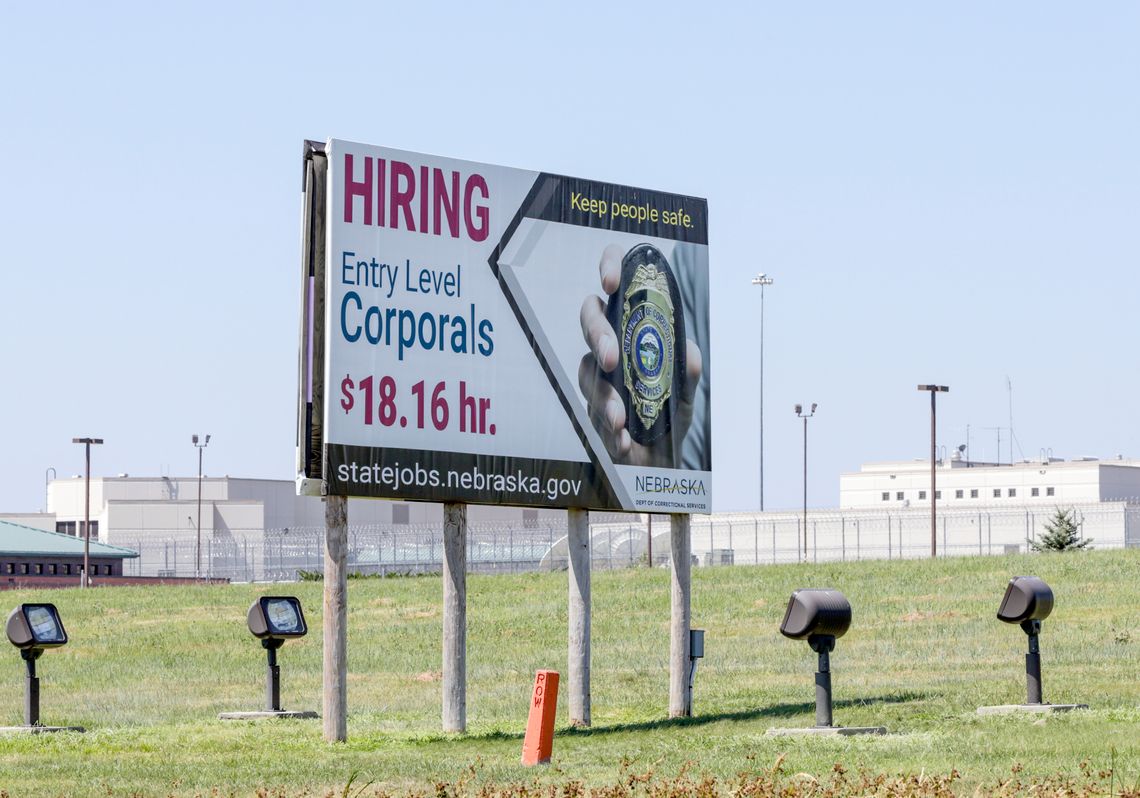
691,267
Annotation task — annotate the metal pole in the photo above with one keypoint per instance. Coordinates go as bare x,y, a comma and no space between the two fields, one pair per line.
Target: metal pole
31,688
934,390
272,676
47,485
805,491
86,580
1033,664
933,481
823,701
198,548
762,280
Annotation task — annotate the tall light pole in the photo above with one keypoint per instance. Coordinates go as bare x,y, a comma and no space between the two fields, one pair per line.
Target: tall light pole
934,391
85,578
198,549
761,280
805,417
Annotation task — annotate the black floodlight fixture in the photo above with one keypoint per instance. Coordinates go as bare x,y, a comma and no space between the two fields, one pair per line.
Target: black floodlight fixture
1028,601
36,626
33,628
273,620
819,616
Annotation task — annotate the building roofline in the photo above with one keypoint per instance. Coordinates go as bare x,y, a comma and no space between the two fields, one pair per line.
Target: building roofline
119,551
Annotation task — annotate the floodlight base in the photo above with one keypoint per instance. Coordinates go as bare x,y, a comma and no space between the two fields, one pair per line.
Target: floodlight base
40,729
842,731
266,714
1008,709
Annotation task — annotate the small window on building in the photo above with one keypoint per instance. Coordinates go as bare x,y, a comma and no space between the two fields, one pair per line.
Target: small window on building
1012,492
530,518
53,569
997,493
886,495
10,567
1035,492
65,527
39,569
24,568
921,495
899,495
1048,491
94,529
66,568
400,514
973,493
959,494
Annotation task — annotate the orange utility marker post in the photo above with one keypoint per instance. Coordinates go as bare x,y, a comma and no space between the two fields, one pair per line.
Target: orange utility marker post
539,741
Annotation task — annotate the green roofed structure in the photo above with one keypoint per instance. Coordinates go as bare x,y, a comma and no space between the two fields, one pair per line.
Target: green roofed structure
27,553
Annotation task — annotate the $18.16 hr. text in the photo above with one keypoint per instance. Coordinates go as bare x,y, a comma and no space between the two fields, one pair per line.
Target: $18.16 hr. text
426,407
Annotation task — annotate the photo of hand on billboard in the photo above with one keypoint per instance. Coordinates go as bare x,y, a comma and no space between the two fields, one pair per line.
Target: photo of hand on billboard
600,367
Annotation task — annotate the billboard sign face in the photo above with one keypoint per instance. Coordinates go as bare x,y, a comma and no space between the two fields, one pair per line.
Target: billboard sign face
483,334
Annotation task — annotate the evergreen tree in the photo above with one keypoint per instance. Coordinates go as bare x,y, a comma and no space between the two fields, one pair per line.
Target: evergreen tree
1062,533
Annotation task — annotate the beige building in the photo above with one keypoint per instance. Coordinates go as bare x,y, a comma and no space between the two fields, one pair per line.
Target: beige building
125,509
963,484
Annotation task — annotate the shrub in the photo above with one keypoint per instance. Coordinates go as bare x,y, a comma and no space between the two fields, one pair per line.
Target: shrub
1062,533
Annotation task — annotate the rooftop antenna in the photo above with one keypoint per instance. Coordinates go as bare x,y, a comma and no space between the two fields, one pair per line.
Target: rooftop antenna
1009,390
998,431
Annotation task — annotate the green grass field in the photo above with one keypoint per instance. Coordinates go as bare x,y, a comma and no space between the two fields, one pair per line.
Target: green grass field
148,669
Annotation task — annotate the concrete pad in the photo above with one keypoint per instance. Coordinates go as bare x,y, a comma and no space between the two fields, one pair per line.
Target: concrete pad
1009,709
843,731
266,714
40,729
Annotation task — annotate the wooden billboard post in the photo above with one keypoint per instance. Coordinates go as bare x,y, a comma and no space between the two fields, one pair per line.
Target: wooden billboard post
578,648
334,696
681,615
454,617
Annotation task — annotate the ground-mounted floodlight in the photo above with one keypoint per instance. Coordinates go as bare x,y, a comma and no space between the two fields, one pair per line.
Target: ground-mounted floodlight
1027,602
273,620
33,628
696,652
820,616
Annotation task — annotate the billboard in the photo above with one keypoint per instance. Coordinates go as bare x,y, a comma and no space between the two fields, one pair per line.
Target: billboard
484,334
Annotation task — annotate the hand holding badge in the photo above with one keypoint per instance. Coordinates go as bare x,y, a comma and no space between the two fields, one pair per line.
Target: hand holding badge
641,372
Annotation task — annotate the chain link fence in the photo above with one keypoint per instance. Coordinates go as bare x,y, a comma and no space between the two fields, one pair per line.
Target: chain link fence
717,540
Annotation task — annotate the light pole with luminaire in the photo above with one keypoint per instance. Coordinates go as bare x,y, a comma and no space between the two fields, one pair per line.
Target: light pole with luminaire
198,550
85,579
761,280
934,391
805,417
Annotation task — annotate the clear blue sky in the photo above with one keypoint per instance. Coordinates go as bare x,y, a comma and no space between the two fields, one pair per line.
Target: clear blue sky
943,192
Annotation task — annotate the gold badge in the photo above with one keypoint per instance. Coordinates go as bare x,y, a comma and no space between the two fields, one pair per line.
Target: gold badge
648,331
